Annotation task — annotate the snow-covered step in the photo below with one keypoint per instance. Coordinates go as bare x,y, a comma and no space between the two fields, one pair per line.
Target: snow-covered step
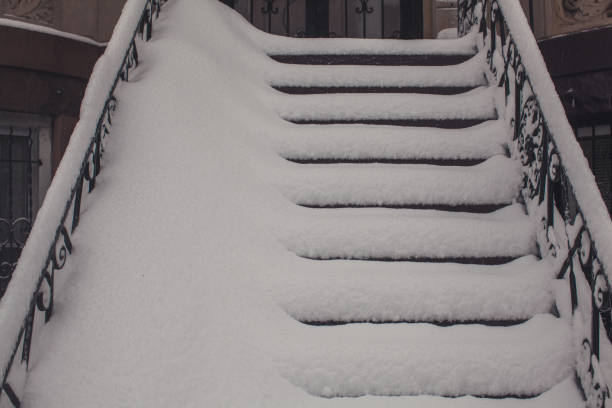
343,291
462,110
412,359
496,181
325,79
365,49
357,142
392,234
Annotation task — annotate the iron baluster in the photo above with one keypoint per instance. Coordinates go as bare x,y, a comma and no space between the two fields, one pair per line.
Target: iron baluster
8,390
346,18
268,9
28,164
382,18
10,187
287,25
364,9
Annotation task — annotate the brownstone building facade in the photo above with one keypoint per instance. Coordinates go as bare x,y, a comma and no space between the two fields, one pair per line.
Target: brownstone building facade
48,50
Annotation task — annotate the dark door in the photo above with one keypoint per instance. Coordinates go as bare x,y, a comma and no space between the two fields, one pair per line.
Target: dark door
317,18
411,19
370,11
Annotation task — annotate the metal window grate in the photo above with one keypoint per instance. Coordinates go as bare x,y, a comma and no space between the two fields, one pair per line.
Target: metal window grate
16,198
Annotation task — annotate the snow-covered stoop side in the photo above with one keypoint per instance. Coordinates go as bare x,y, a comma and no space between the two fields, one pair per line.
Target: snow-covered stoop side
273,234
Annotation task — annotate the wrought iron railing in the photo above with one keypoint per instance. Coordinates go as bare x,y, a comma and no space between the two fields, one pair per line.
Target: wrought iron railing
560,195
334,18
16,338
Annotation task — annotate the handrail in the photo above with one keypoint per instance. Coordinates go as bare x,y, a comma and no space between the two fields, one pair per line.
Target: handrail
574,229
31,289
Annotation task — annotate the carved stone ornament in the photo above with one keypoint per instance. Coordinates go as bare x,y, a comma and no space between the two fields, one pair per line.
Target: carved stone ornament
582,11
37,11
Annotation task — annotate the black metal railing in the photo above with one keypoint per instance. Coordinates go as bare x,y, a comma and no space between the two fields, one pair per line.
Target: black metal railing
335,18
565,237
42,298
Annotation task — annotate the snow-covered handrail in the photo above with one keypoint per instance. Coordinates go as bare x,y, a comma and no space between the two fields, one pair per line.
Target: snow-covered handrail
49,245
559,190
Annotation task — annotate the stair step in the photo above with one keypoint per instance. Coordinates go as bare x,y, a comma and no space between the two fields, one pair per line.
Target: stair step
492,183
388,234
382,160
304,90
466,109
340,292
441,123
467,260
411,359
444,323
373,59
369,50
464,208
368,143
308,79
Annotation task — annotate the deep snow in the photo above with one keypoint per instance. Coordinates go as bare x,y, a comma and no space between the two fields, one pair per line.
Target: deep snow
174,294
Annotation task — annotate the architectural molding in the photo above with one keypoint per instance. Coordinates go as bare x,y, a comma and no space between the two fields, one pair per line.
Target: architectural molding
37,11
573,12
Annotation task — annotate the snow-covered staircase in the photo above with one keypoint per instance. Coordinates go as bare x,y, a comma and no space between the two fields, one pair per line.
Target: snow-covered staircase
416,256
290,222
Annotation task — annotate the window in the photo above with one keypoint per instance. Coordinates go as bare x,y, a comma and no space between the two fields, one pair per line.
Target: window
596,142
25,163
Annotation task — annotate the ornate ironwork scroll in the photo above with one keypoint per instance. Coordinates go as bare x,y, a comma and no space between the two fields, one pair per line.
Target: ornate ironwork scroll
42,298
580,11
364,9
37,11
563,235
269,9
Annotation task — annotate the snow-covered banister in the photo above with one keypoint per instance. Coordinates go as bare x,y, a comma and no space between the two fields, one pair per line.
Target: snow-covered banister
559,189
28,302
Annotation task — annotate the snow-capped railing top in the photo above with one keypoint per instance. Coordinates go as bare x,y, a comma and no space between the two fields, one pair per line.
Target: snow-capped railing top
573,161
49,242
574,230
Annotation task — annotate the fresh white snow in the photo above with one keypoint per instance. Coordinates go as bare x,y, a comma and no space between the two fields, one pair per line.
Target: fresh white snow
378,233
468,73
355,142
318,46
475,104
495,181
173,296
424,359
392,291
